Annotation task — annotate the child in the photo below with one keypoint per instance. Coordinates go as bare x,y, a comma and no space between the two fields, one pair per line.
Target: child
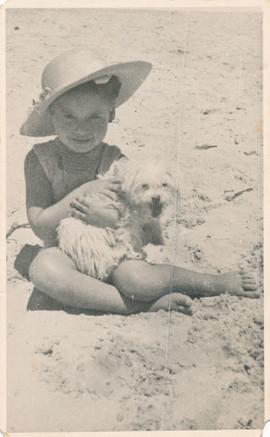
77,104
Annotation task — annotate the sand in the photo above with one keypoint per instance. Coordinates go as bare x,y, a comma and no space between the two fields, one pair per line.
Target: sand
201,109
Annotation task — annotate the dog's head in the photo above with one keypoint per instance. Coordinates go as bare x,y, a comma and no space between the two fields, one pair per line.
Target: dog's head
148,187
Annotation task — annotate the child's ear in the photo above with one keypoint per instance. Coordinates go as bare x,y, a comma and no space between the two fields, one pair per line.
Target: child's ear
112,115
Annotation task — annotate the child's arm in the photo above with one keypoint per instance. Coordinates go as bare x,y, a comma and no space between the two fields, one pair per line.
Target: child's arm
44,215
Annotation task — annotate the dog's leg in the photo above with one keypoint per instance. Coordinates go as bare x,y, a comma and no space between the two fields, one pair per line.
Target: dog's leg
124,239
152,234
137,235
158,244
134,251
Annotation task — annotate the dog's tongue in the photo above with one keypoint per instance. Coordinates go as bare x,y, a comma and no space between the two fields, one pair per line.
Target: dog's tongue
156,208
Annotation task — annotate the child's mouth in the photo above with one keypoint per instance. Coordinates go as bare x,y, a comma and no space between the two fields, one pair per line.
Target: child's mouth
80,140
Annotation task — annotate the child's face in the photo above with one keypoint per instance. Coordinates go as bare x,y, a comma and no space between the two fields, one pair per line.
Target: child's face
80,119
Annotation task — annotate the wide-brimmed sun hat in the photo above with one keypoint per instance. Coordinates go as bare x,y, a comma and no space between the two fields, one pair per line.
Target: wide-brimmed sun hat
73,68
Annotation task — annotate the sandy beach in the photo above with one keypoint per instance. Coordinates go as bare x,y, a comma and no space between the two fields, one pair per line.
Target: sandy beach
201,108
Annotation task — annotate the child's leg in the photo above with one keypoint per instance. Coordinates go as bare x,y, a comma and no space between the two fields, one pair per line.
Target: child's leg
56,275
148,282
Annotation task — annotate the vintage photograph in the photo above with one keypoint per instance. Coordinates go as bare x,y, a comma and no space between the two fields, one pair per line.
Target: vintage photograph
134,173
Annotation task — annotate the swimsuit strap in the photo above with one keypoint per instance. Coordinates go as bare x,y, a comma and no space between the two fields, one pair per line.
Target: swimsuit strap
48,158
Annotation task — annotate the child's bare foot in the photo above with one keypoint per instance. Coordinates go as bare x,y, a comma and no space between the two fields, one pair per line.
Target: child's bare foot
243,283
173,302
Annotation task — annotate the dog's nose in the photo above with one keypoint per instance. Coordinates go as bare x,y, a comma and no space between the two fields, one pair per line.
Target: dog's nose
156,199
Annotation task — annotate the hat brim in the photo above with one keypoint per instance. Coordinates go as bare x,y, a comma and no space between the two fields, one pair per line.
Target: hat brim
130,74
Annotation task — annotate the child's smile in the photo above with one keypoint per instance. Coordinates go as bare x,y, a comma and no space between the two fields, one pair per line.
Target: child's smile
81,119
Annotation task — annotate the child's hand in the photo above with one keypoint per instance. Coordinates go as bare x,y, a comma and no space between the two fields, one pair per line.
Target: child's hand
101,187
101,211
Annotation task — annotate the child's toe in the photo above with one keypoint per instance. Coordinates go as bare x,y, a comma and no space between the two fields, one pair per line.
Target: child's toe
184,301
249,279
249,286
250,294
247,274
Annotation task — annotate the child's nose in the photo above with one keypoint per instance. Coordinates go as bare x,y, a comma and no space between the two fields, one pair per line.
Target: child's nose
83,127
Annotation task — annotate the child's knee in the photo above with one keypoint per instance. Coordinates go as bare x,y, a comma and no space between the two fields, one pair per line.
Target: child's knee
132,278
43,269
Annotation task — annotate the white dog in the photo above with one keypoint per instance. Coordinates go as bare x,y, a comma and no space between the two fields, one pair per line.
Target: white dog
146,209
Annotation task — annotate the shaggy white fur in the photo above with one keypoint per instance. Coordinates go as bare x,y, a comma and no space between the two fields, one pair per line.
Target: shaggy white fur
147,205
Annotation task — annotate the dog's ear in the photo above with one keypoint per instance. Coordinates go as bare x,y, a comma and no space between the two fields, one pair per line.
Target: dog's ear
114,169
129,180
170,178
118,167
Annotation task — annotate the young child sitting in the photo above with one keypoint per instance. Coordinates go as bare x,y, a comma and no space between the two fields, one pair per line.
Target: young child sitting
79,98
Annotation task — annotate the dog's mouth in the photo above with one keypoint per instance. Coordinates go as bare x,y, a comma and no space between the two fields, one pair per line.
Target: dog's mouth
156,208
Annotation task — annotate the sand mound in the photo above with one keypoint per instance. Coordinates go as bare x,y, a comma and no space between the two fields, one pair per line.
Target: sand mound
139,372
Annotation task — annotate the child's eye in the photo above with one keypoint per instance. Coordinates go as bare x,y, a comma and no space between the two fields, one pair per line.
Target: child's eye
68,116
145,186
164,184
100,117
95,119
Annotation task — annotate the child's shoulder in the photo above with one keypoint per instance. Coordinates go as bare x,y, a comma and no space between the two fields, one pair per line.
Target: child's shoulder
42,155
45,148
42,149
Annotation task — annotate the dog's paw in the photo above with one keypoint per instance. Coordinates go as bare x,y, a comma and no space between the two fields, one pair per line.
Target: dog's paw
156,254
136,255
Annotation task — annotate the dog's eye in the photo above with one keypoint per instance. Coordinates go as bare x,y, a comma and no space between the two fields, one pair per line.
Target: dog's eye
164,184
145,186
